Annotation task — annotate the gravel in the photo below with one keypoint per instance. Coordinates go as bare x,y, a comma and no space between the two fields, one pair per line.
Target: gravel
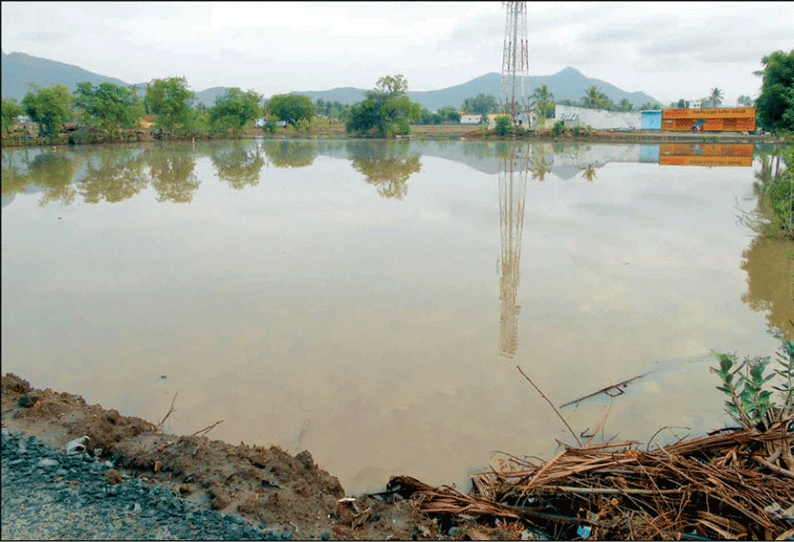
48,495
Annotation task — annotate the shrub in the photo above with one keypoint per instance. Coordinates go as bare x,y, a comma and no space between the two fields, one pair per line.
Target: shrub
558,128
503,125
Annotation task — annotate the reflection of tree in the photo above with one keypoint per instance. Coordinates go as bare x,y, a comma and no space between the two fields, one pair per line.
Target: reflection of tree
770,281
589,172
113,175
237,165
290,153
538,165
13,180
53,171
387,165
172,174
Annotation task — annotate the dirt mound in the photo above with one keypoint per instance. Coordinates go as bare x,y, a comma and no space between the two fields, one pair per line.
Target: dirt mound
262,484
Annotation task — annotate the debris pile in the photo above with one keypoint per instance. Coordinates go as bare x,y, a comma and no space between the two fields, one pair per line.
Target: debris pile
731,484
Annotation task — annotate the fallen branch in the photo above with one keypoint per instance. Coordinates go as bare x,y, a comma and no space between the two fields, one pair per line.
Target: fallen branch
203,432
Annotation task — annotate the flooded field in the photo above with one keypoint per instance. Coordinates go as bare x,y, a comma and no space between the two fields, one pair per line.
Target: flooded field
369,301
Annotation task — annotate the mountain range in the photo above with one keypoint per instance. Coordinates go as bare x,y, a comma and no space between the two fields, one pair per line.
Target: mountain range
19,70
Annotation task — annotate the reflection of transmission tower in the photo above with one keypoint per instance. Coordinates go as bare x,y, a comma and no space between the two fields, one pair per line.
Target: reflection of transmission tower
512,192
515,63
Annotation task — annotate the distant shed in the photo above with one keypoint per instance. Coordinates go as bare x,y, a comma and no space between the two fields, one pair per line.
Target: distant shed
652,120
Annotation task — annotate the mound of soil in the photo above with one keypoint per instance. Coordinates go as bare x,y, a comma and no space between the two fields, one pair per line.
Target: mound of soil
261,484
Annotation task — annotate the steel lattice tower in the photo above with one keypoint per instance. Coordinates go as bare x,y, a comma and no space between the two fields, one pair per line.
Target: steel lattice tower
512,194
515,63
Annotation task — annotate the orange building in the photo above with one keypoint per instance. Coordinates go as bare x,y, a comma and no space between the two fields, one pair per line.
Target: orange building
725,119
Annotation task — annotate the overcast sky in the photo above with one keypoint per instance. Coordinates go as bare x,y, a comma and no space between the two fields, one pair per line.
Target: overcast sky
669,50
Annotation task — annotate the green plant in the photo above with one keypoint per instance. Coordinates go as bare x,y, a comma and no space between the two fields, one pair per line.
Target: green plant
745,385
558,128
503,125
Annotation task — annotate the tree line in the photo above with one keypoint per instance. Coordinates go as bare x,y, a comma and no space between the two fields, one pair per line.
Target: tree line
108,110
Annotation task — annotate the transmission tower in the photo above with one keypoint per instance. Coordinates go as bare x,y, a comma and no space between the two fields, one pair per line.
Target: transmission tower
515,64
512,194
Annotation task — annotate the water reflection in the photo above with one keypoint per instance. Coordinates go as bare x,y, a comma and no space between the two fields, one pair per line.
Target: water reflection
769,264
512,193
53,171
237,165
113,175
173,174
387,166
290,152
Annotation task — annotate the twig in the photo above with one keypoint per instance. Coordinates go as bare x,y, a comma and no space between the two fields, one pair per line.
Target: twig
203,432
608,490
552,406
159,426
775,468
614,387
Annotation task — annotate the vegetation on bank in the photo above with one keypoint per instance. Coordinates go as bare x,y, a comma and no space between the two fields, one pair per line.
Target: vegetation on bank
167,108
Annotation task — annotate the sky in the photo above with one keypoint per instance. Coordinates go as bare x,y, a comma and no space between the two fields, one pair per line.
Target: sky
669,50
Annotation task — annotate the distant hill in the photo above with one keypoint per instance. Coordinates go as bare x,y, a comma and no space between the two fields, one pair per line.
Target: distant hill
19,70
568,83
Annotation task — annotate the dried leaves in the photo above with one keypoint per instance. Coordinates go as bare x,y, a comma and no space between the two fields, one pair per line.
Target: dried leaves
730,485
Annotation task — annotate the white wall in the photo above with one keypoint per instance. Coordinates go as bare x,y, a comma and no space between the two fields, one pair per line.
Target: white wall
598,118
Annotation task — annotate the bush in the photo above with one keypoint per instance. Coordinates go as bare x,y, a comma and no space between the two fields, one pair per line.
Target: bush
503,125
558,128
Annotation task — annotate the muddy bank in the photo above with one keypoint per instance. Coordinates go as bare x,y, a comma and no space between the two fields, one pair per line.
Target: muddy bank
263,485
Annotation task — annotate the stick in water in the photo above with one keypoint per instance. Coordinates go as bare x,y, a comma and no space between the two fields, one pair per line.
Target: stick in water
551,405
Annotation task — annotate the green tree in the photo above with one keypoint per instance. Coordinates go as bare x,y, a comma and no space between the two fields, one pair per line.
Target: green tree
744,101
292,108
775,104
10,110
650,106
682,104
715,98
50,107
108,106
233,110
449,114
625,105
482,104
392,85
595,99
386,111
543,98
170,100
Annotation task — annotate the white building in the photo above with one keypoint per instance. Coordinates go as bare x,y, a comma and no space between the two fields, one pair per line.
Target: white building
470,119
599,119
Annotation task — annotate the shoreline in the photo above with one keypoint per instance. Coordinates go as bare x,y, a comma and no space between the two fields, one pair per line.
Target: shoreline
432,133
262,485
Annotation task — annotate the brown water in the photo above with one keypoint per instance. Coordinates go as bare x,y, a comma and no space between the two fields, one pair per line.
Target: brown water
370,301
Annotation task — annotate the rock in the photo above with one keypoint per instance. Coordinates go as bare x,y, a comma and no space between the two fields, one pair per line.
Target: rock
47,463
76,445
113,476
305,459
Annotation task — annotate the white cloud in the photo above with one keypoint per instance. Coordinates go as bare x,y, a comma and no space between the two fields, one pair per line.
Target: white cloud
669,49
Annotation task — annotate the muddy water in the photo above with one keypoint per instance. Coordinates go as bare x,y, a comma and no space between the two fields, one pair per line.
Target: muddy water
370,301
